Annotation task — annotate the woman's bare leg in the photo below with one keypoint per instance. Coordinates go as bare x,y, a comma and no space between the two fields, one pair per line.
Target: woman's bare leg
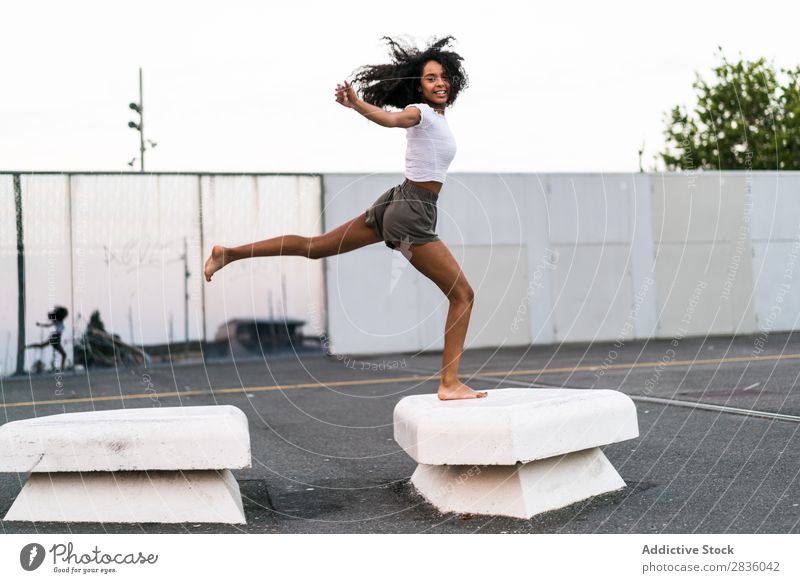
347,237
62,352
435,261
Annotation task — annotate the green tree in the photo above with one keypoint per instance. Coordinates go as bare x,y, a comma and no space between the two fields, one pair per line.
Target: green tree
747,117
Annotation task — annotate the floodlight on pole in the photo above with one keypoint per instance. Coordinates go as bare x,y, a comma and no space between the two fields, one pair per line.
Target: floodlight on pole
139,108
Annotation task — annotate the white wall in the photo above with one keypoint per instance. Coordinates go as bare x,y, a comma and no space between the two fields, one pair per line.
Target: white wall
576,257
776,250
598,226
243,209
114,243
551,257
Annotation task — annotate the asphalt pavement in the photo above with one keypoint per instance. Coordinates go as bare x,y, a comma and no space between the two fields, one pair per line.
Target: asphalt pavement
717,452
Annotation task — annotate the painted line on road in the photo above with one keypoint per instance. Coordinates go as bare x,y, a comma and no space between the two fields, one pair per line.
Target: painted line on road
224,391
425,377
671,402
722,408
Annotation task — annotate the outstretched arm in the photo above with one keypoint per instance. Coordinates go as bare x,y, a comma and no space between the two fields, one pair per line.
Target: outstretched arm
346,95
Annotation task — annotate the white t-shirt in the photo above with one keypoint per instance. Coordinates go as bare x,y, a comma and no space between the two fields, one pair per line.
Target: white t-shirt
431,146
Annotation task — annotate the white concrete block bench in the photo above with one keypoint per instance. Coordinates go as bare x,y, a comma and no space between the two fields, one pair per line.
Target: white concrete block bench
517,452
167,464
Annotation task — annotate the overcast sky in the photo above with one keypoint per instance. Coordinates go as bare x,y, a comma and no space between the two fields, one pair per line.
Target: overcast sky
249,86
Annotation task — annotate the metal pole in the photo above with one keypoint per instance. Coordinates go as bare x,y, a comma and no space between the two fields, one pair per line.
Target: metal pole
283,293
141,122
130,325
272,324
202,248
71,267
20,278
323,216
186,296
8,345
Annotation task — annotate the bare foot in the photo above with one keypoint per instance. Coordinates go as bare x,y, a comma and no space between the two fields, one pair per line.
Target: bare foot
458,391
215,261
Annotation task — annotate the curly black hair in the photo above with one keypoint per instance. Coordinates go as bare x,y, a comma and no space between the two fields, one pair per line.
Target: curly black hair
396,84
58,313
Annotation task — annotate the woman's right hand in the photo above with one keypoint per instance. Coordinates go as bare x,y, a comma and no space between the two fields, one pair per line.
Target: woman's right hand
346,95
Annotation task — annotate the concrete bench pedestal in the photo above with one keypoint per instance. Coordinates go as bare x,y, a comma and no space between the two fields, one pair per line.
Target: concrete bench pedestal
166,465
160,496
518,452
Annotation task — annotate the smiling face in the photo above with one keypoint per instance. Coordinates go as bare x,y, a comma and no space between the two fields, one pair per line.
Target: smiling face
435,85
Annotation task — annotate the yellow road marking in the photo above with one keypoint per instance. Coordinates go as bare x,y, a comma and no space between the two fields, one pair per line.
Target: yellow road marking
413,378
196,392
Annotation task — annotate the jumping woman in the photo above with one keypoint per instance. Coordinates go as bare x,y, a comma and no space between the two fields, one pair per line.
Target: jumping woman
422,84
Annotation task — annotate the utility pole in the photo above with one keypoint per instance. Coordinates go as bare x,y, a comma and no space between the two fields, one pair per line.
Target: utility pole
641,152
139,108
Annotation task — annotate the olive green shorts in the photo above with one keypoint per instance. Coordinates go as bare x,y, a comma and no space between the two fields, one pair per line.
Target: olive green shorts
403,215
